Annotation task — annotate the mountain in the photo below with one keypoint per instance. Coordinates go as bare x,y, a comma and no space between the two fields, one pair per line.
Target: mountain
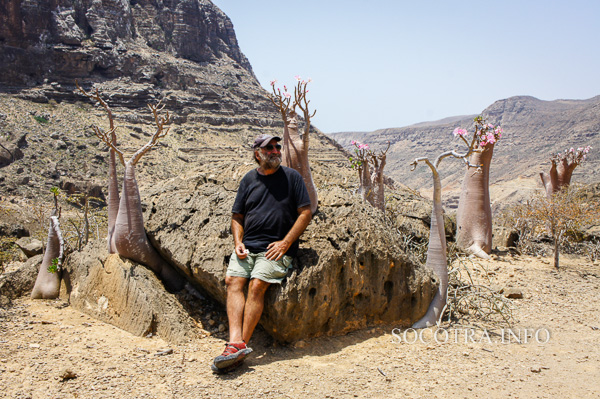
533,130
182,52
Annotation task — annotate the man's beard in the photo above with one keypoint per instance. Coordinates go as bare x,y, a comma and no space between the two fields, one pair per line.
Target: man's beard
269,161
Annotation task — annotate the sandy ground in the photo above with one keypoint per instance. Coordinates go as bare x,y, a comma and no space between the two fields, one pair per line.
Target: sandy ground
49,350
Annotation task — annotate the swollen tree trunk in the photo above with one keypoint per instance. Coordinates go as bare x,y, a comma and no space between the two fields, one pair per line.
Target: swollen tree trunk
129,237
474,214
47,284
436,255
559,177
365,188
377,179
295,156
113,197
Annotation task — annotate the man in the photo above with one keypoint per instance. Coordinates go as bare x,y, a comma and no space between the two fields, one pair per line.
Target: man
271,210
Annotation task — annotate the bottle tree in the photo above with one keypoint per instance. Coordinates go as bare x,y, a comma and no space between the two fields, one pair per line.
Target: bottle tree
474,214
295,145
370,165
127,236
436,251
47,283
561,171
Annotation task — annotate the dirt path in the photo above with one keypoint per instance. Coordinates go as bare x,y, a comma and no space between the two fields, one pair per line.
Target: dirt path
42,342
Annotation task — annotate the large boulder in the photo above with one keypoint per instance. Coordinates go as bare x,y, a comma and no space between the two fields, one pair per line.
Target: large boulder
124,294
350,272
30,246
21,281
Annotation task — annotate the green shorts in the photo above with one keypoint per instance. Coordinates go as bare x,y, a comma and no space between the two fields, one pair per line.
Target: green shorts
257,266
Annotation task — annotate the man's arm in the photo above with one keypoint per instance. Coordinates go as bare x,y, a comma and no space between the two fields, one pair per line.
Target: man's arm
237,229
277,249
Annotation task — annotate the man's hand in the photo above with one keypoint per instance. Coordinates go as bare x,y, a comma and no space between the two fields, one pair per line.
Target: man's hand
241,251
277,249
237,229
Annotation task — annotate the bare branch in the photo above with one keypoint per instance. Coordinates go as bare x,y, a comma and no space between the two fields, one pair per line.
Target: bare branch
160,132
96,97
106,138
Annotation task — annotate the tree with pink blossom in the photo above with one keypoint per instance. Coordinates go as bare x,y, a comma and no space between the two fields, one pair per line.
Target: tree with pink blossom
370,164
561,171
474,214
436,251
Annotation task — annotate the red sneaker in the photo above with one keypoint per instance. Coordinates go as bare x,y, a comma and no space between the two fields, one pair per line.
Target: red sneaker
233,353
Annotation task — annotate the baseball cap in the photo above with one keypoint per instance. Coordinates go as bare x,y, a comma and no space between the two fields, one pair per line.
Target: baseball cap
263,140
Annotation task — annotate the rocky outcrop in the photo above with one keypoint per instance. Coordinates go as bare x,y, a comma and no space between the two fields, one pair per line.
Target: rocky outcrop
30,246
182,51
77,38
21,281
350,272
125,294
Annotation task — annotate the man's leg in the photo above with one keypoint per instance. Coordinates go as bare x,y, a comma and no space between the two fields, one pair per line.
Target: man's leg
254,306
235,306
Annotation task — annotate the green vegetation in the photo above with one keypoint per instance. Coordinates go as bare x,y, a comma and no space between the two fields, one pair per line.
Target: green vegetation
41,119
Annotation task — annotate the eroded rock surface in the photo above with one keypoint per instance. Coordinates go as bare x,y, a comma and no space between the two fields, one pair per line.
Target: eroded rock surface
350,272
124,294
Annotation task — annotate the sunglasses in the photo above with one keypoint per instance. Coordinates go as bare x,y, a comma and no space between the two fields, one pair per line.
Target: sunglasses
269,147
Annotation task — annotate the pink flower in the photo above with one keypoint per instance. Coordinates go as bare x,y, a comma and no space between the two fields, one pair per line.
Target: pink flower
298,78
459,132
286,94
273,82
353,142
285,87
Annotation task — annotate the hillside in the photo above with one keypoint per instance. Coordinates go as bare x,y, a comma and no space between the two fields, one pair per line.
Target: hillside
184,53
533,129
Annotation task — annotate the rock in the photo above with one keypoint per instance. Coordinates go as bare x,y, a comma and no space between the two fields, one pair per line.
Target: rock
504,237
514,293
13,230
349,273
124,294
20,282
30,246
9,154
67,374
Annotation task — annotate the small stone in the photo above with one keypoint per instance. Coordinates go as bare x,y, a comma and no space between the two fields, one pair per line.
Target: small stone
67,374
514,293
222,327
300,344
35,346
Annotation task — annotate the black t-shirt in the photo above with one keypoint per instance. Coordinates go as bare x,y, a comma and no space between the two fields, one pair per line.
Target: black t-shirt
270,207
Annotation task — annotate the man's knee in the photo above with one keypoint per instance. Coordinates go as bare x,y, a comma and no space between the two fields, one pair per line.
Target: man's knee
257,287
235,283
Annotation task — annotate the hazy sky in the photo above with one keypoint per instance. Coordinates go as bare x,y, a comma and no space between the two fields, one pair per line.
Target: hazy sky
377,64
